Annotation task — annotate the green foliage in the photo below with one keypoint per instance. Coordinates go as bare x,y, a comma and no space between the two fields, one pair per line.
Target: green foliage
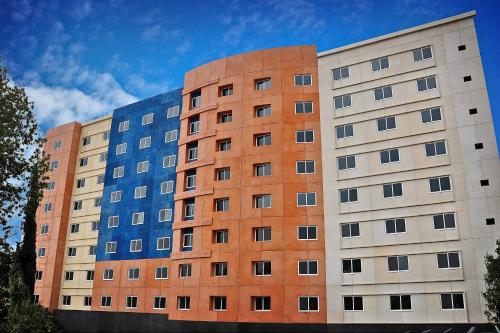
5,261
492,280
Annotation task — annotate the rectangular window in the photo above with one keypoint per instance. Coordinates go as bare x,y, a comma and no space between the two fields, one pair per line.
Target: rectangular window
136,245
397,263
142,166
123,126
171,136
98,202
344,131
346,162
303,107
348,195
426,83
389,156
47,207
145,142
431,115
105,301
92,250
305,136
167,187
262,139
353,303
113,221
444,221
219,303
118,172
173,111
221,236
261,303
36,298
308,267
348,230
161,273
74,228
54,164
116,196
422,53
66,300
184,270
87,301
194,125
262,268
147,119
224,117
38,275
131,302
84,161
219,269
392,190
41,252
190,181
387,123
162,243
105,136
133,273
395,226
452,301
341,102
86,141
448,260
183,302
340,73
308,303
263,111
223,174
189,206
192,151
226,90
164,215
51,185
71,251
262,234
138,218
90,276
262,201
160,302
350,266
302,79
103,157
80,183
307,232
140,192
306,199
100,179
108,274
44,229
77,205
57,144
305,167
400,302
440,184
382,93
121,148
221,205
435,148
169,161
263,169
262,84
195,99
380,63
224,144
110,247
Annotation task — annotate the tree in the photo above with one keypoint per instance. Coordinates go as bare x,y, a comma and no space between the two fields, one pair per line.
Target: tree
5,261
492,281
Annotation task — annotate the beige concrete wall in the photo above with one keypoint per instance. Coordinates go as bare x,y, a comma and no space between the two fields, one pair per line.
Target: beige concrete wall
79,287
470,202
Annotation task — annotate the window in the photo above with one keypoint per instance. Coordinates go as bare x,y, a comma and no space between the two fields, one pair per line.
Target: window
261,303
47,207
140,192
142,166
389,156
92,250
118,172
74,228
462,47
262,234
138,218
473,111
262,268
105,136
98,202
41,252
189,209
224,117
306,199
382,93
123,126
452,301
87,301
100,179
57,144
263,169
344,131
164,215
103,157
44,229
108,274
133,273
348,230
183,302
167,187
121,148
171,136
51,185
77,205
84,161
484,182
340,73
147,119
145,142
422,53
219,303
221,205
435,148
90,275
161,273
131,302
387,123
394,226
195,99
307,232
380,63
308,303
173,111
440,184
187,239
397,263
226,90
223,174
392,190
400,302
224,144
426,83
219,269
194,125
444,221
263,111
94,226
69,275
262,139
478,145
36,298
66,300
38,275
136,245
71,251
262,201
350,266
192,151
262,84
184,270
431,115
160,302
305,167
86,141
169,161
80,183
490,221
305,136
353,303
113,221
105,301
308,267
448,260
342,101
54,164
221,236
303,79
346,162
348,195
162,243
303,107
110,247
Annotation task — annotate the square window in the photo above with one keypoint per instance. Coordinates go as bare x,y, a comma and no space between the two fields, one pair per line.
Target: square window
171,136
303,107
341,102
145,142
219,303
473,111
305,167
221,236
350,266
307,232
348,195
308,303
226,90
395,226
348,230
263,169
353,303
167,187
444,221
302,79
490,221
195,99
224,117
380,63
484,182
105,301
162,243
397,263
308,267
131,302
138,218
389,156
173,111
263,111
461,47
422,53
262,201
262,234
223,174
262,84
161,273
340,73
160,302
110,247
400,302
306,199
262,139
123,126
305,136
387,123
261,303
136,245
147,119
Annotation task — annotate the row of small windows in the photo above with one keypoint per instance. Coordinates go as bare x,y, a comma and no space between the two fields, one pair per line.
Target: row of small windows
162,243
378,64
92,250
147,119
86,140
449,301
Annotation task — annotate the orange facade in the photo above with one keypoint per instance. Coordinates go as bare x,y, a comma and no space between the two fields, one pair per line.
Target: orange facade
62,147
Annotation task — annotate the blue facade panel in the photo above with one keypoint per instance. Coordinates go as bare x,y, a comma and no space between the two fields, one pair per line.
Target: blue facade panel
154,201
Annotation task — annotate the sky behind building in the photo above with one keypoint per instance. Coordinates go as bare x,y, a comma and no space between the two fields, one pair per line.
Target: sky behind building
81,59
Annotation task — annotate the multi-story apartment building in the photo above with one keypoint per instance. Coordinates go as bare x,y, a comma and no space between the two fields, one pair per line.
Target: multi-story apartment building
354,185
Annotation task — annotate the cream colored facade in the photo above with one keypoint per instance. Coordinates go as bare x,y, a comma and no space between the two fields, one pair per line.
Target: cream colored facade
470,202
96,152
